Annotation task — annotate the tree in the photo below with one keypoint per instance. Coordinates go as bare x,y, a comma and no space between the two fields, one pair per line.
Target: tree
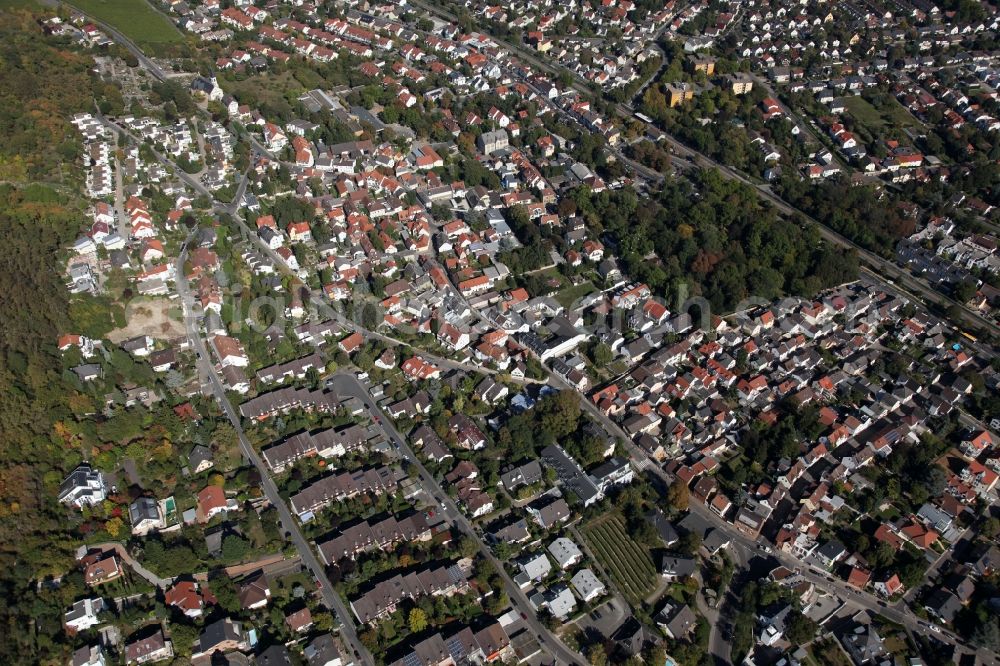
678,495
689,543
417,620
114,526
602,354
987,635
234,548
224,589
801,629
468,547
596,655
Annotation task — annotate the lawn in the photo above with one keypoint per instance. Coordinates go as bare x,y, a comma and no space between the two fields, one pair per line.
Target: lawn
571,294
628,562
892,114
136,19
268,88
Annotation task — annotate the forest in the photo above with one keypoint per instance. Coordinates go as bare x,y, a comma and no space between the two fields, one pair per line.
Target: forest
713,238
38,153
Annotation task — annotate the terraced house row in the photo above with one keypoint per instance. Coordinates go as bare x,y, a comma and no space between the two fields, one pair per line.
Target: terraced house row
325,443
343,486
367,536
382,599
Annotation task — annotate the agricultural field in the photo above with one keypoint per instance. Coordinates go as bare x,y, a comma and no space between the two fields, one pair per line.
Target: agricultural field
136,19
628,562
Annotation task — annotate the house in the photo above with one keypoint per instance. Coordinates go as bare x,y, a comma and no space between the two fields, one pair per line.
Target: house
565,553
148,650
276,655
324,650
587,585
830,553
527,474
230,352
223,635
90,655
468,436
139,346
571,475
676,620
186,597
351,343
83,614
943,605
535,567
664,528
299,621
101,569
614,472
559,601
83,487
163,360
864,645
145,516
549,513
491,142
674,567
254,593
773,621
491,391
417,368
889,587
211,502
200,459
975,445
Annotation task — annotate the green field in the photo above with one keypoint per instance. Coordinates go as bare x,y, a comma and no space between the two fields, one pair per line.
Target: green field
629,563
19,4
569,295
135,19
892,114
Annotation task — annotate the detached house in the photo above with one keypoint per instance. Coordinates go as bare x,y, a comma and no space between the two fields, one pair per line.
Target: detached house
83,487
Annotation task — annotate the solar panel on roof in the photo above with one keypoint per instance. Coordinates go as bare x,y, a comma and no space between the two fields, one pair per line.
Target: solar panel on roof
456,648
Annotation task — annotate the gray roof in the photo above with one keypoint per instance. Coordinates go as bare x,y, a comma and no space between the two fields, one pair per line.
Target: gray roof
218,632
677,565
678,619
144,508
322,650
664,528
276,655
522,475
199,454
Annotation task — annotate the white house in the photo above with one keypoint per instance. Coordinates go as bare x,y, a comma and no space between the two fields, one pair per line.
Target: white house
84,486
587,585
83,614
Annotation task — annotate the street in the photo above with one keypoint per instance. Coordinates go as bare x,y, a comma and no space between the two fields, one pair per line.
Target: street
288,522
348,385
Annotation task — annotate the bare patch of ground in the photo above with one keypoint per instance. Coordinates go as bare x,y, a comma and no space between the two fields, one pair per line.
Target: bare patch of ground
158,318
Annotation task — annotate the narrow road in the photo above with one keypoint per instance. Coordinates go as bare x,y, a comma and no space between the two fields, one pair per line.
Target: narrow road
133,564
119,211
146,63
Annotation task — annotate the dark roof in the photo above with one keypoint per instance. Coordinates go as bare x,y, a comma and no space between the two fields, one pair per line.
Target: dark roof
218,632
276,655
